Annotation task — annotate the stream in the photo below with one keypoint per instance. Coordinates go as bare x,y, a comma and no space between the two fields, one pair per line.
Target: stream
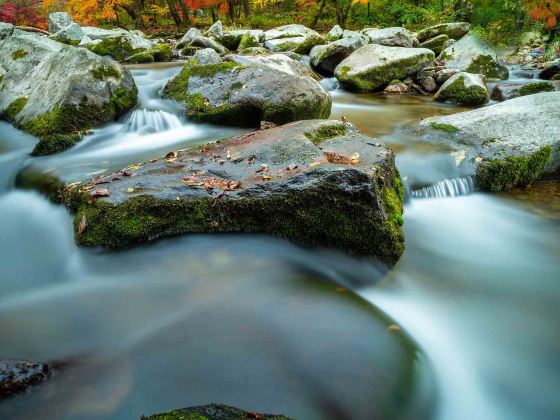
259,323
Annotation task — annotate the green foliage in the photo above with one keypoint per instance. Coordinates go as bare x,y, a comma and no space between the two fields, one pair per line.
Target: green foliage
15,108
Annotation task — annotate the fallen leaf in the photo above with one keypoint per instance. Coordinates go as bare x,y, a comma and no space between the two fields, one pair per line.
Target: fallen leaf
134,167
266,177
130,190
394,327
238,160
115,179
126,173
192,181
312,164
101,192
333,157
228,155
263,168
251,159
355,158
291,167
82,226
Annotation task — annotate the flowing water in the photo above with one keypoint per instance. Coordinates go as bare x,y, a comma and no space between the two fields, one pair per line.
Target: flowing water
259,323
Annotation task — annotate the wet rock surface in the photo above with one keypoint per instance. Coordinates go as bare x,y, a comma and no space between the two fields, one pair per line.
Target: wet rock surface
213,412
17,376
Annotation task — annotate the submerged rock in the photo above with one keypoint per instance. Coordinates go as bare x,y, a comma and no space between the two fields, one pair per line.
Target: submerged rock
17,376
326,57
391,37
41,96
212,412
373,67
464,89
513,143
502,92
244,95
318,183
474,55
454,30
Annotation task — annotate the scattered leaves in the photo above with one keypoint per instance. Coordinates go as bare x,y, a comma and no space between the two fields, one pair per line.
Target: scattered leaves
83,224
263,168
291,167
101,192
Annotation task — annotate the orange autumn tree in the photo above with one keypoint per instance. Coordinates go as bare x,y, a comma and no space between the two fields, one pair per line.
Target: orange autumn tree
546,11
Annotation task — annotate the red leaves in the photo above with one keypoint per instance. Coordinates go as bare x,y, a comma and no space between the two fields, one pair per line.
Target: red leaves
100,192
210,182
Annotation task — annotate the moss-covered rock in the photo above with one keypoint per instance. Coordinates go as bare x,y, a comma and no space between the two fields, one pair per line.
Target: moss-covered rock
510,144
295,38
121,46
234,94
248,40
140,58
17,376
453,30
436,44
315,182
372,67
464,89
502,92
325,58
40,95
162,53
212,412
391,37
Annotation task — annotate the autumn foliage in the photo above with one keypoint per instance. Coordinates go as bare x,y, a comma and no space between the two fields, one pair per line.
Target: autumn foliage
546,11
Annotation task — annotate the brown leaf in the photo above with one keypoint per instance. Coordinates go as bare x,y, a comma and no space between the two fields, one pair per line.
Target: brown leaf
333,157
101,192
82,226
251,159
192,181
291,167
263,168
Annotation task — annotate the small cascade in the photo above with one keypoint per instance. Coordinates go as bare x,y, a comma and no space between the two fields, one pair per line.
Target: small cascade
147,121
446,188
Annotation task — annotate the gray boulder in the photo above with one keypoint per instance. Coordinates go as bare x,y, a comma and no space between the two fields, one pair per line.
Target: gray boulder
436,44
443,75
454,30
207,56
41,96
392,37
71,35
474,55
504,91
335,33
215,31
273,62
213,412
232,39
326,57
17,376
191,34
463,89
99,34
121,46
234,94
372,67
340,185
510,144
58,21
296,38
551,70
204,42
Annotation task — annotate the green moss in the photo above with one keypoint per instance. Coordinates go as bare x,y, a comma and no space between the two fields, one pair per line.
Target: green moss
236,85
513,171
325,132
16,55
536,87
1,78
140,58
162,52
55,143
105,72
394,198
15,108
448,128
488,66
458,93
247,41
117,47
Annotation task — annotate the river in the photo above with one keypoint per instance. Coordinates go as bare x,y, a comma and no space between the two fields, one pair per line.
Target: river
262,324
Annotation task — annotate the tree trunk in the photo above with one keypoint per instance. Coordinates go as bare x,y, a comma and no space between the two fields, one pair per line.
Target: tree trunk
172,5
185,12
319,13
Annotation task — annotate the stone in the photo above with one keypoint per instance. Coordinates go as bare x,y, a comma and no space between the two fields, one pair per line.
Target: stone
551,70
207,56
41,96
436,44
232,39
454,30
189,36
443,75
244,95
212,412
58,21
342,187
204,42
372,67
464,89
215,31
17,376
249,40
505,91
99,34
121,46
510,144
428,84
295,38
325,58
335,33
474,55
392,37
273,62
399,88
71,35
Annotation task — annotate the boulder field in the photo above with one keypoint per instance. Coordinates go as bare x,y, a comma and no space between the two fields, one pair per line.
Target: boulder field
41,96
511,144
316,182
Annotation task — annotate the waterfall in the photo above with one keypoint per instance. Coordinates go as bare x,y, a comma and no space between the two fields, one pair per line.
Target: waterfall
147,121
446,188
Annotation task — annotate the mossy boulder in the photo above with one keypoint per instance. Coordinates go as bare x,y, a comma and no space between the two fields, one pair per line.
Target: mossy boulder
463,89
295,38
325,58
249,40
121,46
212,412
474,55
391,37
334,34
71,35
318,183
40,95
453,30
505,91
436,44
372,67
274,62
205,42
186,39
244,95
58,21
232,39
511,144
